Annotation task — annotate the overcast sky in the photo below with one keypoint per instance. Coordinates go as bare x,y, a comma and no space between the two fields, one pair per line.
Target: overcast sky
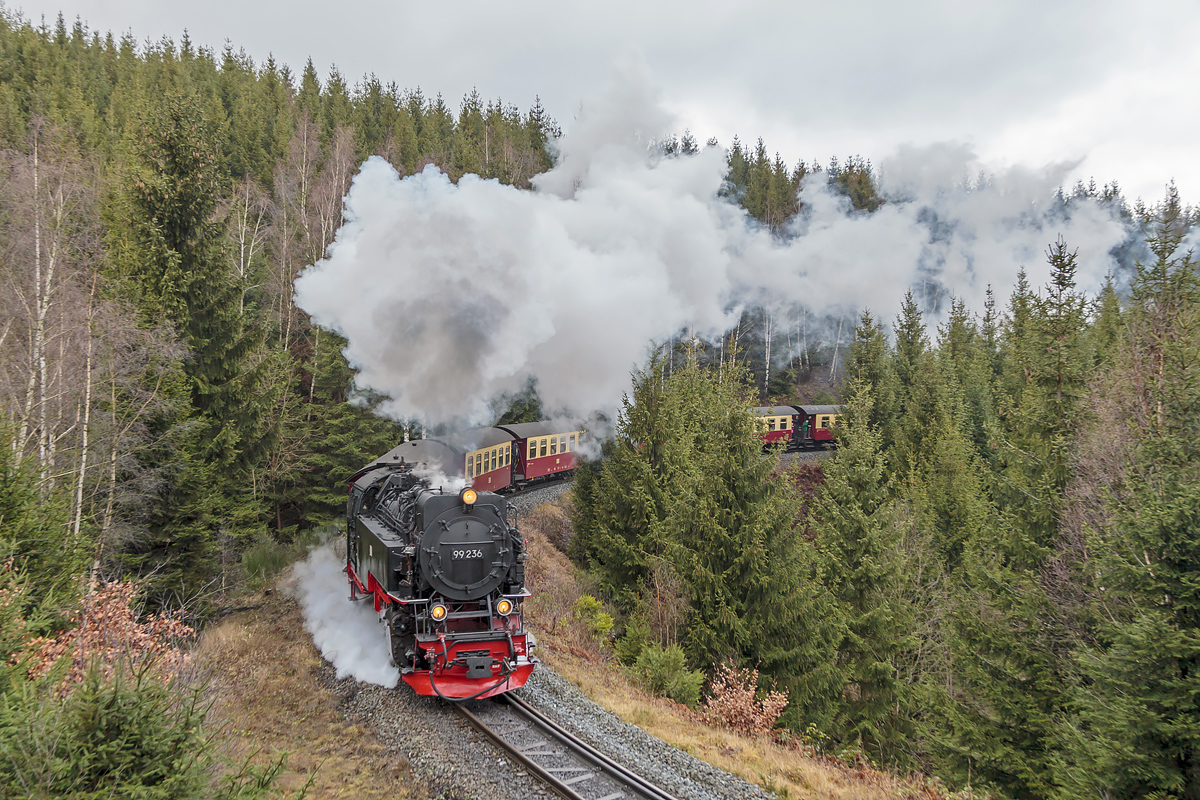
1105,85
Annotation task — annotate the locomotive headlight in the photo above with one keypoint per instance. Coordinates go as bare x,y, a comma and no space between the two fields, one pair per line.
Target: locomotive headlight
504,607
438,612
468,497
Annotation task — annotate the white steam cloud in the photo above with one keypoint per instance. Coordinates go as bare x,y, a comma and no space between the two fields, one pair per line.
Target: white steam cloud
349,635
451,295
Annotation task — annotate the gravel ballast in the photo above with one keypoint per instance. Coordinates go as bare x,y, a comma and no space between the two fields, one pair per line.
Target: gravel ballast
457,763
681,774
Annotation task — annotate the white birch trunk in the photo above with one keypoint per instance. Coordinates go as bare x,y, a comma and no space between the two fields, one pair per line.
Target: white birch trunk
836,346
87,416
767,357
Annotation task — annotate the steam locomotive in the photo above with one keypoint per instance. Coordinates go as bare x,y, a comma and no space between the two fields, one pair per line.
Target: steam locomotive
446,572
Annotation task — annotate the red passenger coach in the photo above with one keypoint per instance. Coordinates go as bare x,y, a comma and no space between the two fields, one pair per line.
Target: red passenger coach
542,449
815,425
776,423
489,459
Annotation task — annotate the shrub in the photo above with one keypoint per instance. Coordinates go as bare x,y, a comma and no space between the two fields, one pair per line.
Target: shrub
665,672
634,640
122,734
591,612
265,557
732,701
106,634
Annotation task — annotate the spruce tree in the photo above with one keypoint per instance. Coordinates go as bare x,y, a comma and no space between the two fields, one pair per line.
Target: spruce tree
857,534
1138,729
621,513
911,343
1012,644
870,364
184,277
1107,323
685,484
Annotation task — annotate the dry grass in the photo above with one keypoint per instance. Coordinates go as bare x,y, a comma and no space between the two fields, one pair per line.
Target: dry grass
267,701
789,771
554,582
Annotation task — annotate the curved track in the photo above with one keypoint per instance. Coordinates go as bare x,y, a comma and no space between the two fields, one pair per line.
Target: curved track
542,483
572,768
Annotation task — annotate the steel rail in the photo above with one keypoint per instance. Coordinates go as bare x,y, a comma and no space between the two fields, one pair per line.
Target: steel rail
631,779
559,788
636,787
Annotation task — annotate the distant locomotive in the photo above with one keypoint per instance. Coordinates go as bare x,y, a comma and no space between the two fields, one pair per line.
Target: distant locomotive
446,572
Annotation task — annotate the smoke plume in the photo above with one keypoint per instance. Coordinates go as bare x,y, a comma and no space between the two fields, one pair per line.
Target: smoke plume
451,295
349,635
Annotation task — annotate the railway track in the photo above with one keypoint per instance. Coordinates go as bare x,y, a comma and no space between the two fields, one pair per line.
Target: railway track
571,768
542,484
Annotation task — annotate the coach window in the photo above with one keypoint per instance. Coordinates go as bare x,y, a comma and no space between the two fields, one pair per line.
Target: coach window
771,424
553,446
470,468
783,424
545,445
571,443
562,444
532,449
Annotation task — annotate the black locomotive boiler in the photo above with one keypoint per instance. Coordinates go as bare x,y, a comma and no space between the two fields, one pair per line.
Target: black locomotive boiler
446,572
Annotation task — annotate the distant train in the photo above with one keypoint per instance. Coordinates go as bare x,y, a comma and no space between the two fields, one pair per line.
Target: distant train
507,457
797,427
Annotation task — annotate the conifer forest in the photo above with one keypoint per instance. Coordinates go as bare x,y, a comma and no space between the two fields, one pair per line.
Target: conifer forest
994,578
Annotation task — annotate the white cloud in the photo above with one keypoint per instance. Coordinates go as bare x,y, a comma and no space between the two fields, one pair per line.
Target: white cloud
451,294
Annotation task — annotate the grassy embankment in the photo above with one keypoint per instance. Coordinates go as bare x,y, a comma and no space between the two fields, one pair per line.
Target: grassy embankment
262,670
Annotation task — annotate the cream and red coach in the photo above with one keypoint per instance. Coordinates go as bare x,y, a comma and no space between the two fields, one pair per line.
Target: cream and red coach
815,424
489,459
542,449
775,423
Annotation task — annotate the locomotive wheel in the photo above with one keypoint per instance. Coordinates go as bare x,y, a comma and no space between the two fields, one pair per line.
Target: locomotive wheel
399,642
